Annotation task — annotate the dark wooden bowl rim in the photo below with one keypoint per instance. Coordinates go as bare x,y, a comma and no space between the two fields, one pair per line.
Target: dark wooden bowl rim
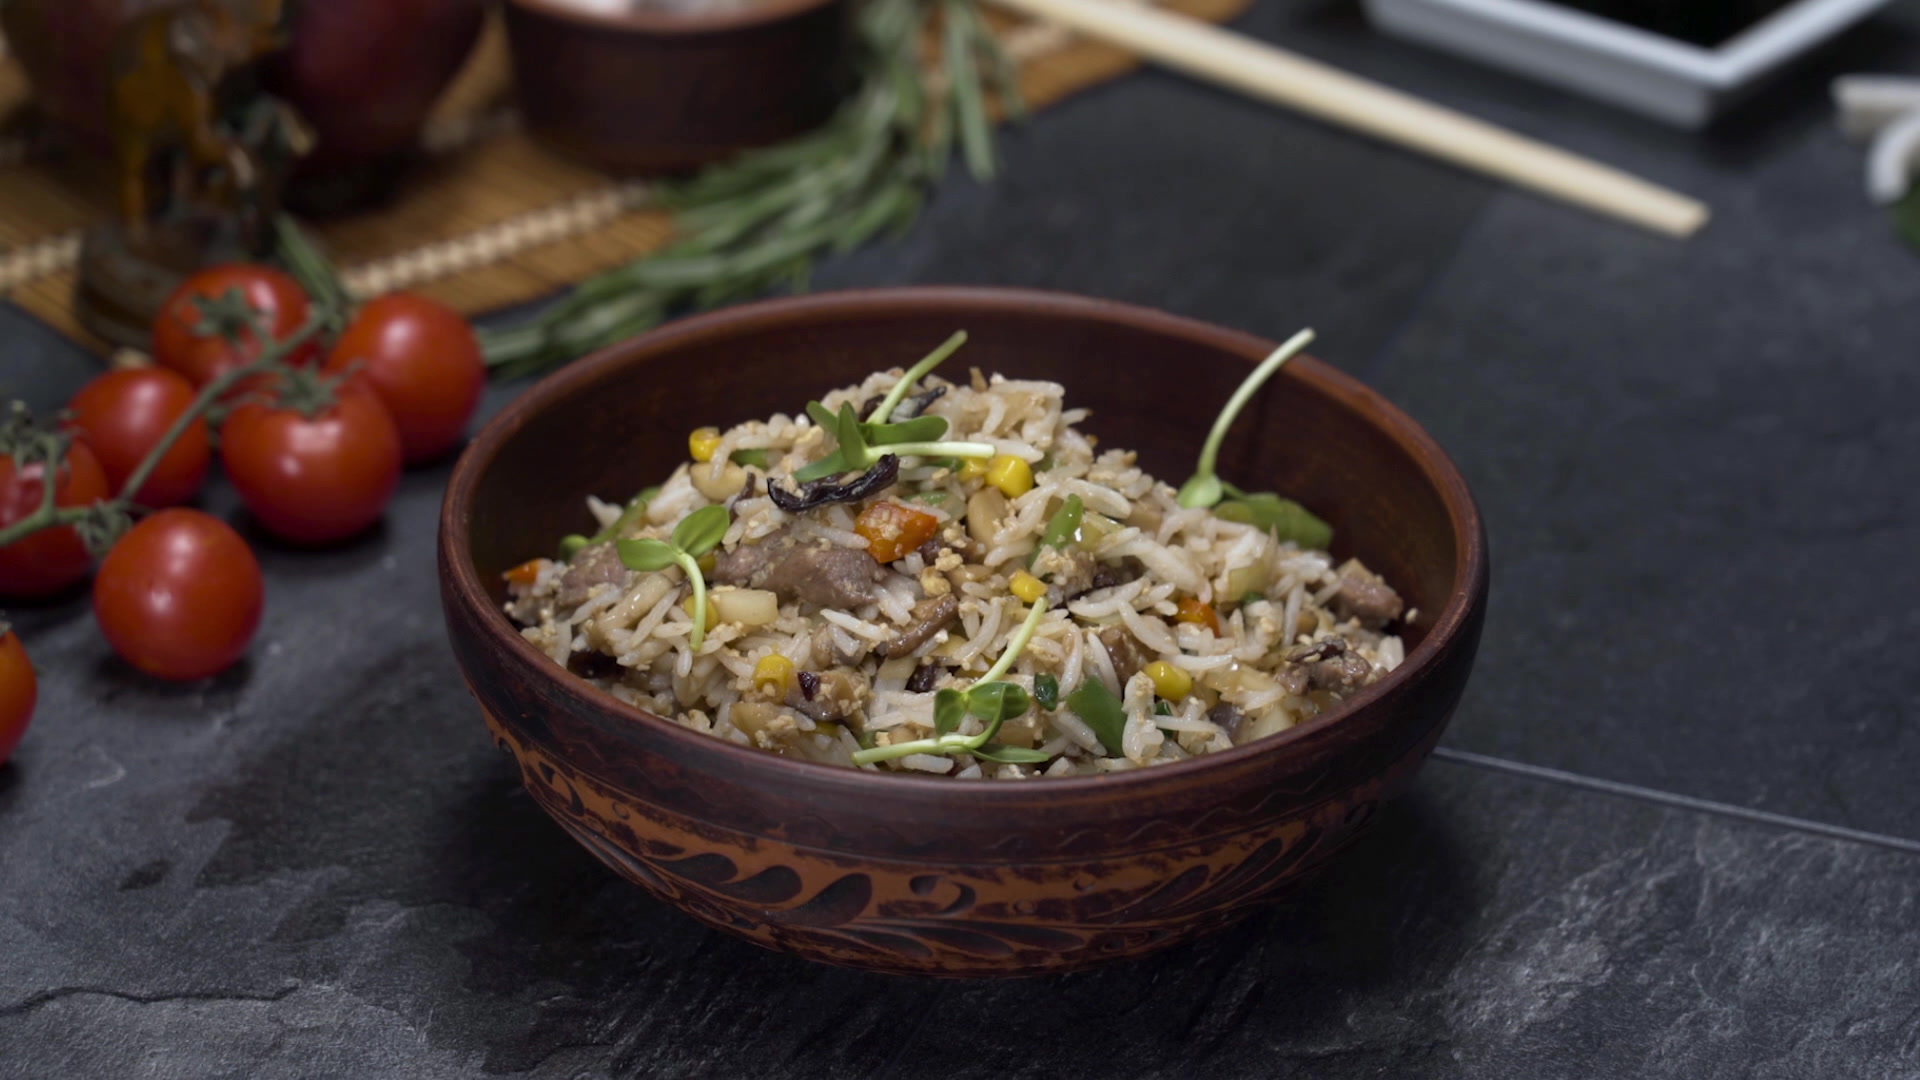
826,308
758,13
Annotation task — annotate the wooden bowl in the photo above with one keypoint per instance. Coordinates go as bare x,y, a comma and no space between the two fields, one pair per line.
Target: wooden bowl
931,875
655,92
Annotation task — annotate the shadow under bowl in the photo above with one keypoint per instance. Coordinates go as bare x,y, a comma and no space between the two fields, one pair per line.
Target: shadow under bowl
930,875
658,92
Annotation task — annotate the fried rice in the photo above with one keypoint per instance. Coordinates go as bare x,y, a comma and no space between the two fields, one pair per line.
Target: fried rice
1208,633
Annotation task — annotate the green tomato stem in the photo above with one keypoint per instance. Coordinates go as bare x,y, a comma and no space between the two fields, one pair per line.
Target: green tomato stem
49,516
269,357
1193,494
914,374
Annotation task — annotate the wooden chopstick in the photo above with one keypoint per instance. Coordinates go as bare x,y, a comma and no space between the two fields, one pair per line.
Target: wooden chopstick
1332,95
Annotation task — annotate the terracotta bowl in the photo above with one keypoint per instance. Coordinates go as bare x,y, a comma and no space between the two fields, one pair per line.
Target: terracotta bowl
658,92
924,874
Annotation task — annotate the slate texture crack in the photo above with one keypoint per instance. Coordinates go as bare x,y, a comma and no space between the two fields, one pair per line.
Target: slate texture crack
23,1007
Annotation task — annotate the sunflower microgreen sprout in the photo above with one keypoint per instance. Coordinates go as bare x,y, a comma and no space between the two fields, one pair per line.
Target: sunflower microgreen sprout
1284,518
861,444
697,534
993,701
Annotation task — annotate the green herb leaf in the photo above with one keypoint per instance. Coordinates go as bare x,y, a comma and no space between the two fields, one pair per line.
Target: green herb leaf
1286,519
753,459
702,530
931,498
918,429
995,702
1064,527
1096,705
646,555
1046,691
571,544
1010,755
949,708
1162,708
822,416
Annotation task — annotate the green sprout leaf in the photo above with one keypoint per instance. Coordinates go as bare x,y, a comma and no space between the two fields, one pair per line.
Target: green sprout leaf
702,530
1284,518
754,459
1046,691
997,702
647,555
949,708
1096,705
918,429
1203,488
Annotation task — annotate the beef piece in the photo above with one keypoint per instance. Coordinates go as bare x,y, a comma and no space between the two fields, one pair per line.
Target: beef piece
823,576
836,695
1340,674
596,565
929,550
1365,596
1126,652
930,616
1228,718
1325,665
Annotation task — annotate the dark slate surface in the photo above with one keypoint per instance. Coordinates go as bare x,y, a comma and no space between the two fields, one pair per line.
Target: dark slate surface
1699,467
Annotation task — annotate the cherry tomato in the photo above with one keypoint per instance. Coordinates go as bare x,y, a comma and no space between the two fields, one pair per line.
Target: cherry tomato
122,416
892,530
314,480
51,559
424,361
179,596
19,688
280,302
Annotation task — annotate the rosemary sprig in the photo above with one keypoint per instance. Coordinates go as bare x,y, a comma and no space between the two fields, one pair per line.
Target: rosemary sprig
757,222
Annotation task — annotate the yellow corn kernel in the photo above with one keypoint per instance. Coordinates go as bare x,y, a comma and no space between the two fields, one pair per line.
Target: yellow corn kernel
1012,476
703,442
773,675
1168,681
973,469
1027,587
713,617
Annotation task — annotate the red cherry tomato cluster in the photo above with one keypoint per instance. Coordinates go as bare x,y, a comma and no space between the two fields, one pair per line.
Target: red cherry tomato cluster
315,454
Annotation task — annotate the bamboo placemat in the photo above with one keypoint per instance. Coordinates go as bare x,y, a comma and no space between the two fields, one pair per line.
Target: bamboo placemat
489,219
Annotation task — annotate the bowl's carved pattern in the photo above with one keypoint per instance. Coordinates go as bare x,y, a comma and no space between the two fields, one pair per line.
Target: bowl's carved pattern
932,918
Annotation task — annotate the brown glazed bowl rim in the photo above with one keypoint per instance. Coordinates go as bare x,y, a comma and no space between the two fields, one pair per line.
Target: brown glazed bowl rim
463,584
757,13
